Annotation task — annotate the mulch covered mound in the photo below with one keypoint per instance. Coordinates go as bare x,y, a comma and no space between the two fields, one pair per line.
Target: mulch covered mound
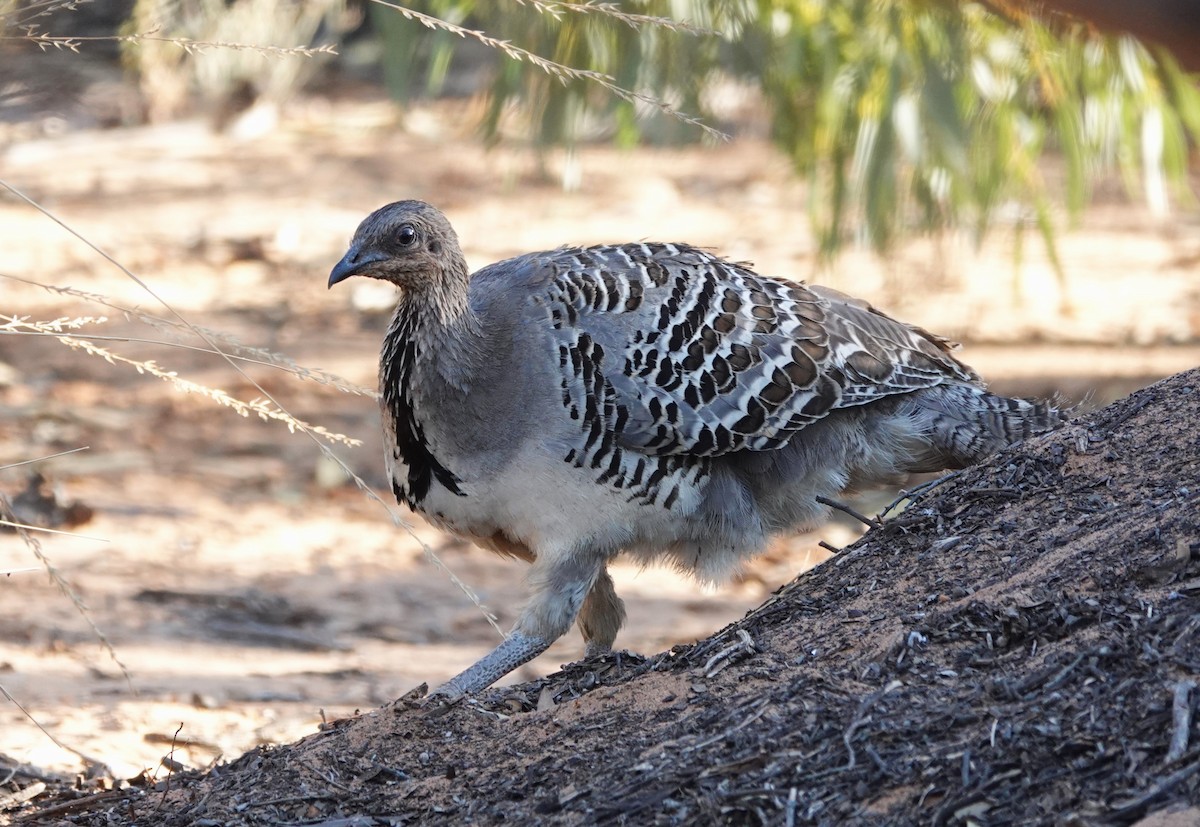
1018,646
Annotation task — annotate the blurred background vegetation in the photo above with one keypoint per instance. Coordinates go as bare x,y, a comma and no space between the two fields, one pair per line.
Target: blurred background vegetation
904,118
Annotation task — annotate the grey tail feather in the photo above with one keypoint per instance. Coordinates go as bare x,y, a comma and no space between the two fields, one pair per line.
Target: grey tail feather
966,424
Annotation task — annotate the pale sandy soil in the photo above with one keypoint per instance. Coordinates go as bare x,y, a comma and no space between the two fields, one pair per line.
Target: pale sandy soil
245,587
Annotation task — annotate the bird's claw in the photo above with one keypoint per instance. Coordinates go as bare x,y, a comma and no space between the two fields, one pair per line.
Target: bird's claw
436,705
431,704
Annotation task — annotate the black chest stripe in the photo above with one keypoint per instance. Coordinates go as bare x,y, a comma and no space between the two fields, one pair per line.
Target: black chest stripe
399,357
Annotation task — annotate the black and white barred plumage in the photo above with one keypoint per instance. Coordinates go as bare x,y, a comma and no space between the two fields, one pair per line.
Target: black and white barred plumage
652,399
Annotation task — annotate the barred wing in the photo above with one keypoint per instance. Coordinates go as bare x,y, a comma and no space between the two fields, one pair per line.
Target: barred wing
667,349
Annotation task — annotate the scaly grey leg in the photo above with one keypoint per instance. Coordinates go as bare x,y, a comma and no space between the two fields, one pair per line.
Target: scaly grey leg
559,583
516,649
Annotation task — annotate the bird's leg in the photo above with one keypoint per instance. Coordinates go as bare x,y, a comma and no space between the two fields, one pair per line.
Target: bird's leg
517,648
601,617
559,582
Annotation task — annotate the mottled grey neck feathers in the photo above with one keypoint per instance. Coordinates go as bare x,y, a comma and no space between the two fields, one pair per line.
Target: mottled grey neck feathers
447,331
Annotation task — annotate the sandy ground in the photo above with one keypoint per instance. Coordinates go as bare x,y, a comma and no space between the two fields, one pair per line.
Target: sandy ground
247,589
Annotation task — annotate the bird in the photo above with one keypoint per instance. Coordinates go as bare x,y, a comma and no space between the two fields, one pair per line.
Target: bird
653,400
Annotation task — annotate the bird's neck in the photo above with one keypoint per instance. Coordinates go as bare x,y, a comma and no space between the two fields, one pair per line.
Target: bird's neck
443,330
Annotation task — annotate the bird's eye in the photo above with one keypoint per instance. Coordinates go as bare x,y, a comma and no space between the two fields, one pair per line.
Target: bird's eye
407,235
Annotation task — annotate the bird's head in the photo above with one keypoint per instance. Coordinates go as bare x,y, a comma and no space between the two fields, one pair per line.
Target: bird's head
408,243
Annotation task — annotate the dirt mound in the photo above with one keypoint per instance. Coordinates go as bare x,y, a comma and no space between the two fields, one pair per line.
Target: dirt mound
1017,646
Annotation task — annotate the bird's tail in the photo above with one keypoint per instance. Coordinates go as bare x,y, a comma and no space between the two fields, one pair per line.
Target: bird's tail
965,423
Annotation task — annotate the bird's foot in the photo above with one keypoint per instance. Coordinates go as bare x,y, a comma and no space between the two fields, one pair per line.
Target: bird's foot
604,655
420,699
595,651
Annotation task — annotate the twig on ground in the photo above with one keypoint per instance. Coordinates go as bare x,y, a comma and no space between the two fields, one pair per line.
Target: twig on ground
1181,716
89,802
170,763
29,793
1135,805
759,711
915,493
742,647
845,509
789,818
326,776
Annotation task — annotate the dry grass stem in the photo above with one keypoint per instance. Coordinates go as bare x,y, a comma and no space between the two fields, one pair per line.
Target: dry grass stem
88,759
235,347
33,544
266,409
46,42
26,14
615,12
292,421
29,527
28,19
43,458
556,70
294,424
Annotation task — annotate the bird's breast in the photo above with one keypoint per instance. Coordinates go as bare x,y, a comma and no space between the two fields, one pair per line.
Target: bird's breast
411,463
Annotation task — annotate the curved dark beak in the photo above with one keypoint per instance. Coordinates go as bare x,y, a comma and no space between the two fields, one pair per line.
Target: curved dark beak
352,264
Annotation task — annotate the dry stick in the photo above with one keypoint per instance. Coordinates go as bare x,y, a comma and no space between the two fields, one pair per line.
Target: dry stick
170,768
721,659
361,484
912,494
1135,805
1063,674
845,509
861,716
1181,714
327,778
790,813
21,796
89,802
761,710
